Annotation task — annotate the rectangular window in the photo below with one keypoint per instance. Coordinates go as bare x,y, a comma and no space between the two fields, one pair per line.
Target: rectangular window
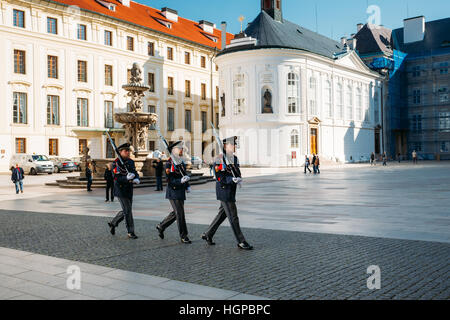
109,114
204,121
169,53
217,119
21,145
444,121
19,61
53,110
52,66
108,38
53,147
416,96
81,32
187,88
188,120
20,107
170,119
152,109
443,68
203,61
170,86
151,145
416,71
82,112
203,91
128,75
108,75
130,43
82,71
151,81
82,145
52,25
151,49
18,18
217,94
187,58
445,146
443,94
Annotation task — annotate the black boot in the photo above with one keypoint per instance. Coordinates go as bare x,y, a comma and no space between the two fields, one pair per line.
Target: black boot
160,231
132,236
112,228
245,246
186,241
208,240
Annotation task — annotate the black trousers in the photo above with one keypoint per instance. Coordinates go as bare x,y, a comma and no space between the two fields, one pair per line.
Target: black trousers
178,215
110,190
307,167
89,183
227,209
126,214
159,184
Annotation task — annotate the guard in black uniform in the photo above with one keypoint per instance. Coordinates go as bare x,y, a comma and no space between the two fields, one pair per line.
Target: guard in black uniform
228,177
177,186
123,189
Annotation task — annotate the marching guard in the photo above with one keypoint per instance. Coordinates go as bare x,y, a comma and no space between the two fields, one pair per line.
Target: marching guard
228,177
177,186
125,176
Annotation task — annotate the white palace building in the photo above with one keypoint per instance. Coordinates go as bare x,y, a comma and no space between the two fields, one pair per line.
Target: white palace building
288,92
63,64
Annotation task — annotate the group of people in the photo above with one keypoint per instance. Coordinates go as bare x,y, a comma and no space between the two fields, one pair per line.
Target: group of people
373,159
228,177
314,162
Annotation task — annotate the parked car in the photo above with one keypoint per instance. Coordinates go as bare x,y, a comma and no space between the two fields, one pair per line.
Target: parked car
32,163
77,162
197,162
62,164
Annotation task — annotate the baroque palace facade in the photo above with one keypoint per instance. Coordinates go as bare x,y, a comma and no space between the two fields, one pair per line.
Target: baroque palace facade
64,63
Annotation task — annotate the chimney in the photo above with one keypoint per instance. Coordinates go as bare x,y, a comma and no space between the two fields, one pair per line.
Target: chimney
359,26
170,14
206,26
343,40
224,35
413,29
273,8
125,3
353,45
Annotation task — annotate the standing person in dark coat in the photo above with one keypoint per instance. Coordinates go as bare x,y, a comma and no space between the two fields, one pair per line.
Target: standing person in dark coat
89,177
384,159
317,164
159,167
17,177
314,164
227,179
109,177
125,176
177,186
372,159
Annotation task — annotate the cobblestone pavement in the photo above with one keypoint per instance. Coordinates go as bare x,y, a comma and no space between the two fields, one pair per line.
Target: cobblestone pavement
285,265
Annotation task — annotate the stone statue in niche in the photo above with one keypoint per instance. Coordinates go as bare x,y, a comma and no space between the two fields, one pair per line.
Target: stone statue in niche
267,102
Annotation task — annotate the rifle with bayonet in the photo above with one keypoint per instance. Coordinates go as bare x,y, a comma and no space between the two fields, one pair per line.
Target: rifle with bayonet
175,161
117,152
230,165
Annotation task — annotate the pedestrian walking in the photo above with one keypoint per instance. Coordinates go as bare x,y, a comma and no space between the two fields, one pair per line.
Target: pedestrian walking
211,168
399,156
307,164
159,168
372,159
125,176
89,177
314,164
384,159
177,187
317,164
228,177
17,177
109,178
414,157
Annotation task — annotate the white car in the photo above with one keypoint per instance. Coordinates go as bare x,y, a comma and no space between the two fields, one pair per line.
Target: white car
32,163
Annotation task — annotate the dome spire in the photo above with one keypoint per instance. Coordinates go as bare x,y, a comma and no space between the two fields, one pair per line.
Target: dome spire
273,8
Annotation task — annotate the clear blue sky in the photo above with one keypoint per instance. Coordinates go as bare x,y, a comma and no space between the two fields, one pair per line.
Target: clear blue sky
334,18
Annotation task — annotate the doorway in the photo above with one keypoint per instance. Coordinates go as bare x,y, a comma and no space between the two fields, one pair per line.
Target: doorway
314,141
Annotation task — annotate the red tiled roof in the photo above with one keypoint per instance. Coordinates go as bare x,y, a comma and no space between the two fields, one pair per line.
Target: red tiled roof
146,16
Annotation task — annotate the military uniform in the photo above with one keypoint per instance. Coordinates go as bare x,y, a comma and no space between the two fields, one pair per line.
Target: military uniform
123,190
176,194
226,187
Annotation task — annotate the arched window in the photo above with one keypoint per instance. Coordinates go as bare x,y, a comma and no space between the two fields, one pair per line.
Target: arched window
349,103
366,105
239,101
312,96
327,98
339,101
359,104
293,93
294,139
376,102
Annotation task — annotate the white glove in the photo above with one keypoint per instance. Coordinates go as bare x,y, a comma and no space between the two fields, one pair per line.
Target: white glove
237,180
137,181
130,176
188,190
185,179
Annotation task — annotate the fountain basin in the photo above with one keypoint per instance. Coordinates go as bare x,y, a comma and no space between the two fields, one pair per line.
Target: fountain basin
136,117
